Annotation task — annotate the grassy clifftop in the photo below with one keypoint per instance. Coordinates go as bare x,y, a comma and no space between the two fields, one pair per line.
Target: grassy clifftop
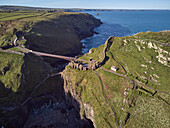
139,94
20,78
47,31
56,32
26,81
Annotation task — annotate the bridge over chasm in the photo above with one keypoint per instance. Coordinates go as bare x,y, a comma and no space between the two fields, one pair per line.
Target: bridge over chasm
75,62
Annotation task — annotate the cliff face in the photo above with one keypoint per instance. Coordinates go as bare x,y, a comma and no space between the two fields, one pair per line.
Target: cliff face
62,35
33,92
41,100
137,94
83,24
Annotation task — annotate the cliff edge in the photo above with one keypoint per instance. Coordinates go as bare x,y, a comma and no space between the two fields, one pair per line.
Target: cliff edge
32,92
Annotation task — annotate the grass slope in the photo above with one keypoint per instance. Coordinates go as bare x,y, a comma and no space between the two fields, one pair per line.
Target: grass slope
23,21
10,70
135,106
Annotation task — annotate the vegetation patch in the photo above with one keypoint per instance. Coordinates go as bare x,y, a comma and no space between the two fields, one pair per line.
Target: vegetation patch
10,70
137,59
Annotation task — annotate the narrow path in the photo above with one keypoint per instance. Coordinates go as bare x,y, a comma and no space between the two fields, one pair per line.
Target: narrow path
46,54
12,52
101,83
48,76
139,83
112,72
118,62
24,49
56,56
38,85
52,55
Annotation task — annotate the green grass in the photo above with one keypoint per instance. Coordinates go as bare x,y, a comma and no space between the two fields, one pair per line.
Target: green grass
18,15
32,70
14,90
42,30
97,54
91,93
148,112
15,49
10,66
88,87
34,15
145,109
132,59
22,21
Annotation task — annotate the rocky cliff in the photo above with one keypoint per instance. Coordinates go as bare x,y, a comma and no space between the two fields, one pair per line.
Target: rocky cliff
33,92
62,35
137,94
39,99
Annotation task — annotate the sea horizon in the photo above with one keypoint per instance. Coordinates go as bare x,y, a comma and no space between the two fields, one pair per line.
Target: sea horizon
125,23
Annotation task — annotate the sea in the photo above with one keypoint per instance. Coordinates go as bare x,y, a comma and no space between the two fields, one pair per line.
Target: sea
125,23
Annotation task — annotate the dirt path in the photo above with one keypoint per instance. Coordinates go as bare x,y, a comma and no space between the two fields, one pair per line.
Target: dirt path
104,95
139,83
21,104
12,52
52,55
118,62
38,85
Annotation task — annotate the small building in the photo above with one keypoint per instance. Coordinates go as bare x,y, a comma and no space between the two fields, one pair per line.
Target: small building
114,68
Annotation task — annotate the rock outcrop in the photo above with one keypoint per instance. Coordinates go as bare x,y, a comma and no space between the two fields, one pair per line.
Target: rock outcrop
41,99
163,55
62,35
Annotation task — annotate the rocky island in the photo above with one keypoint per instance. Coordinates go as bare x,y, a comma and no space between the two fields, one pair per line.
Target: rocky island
122,83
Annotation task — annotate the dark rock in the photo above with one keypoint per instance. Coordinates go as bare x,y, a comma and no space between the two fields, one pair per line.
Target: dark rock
95,32
19,34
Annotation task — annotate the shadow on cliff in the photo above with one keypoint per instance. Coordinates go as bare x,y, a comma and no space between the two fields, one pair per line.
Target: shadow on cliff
56,106
48,106
11,115
3,90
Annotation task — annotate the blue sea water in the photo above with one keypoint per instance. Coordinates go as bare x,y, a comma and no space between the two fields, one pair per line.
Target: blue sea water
125,23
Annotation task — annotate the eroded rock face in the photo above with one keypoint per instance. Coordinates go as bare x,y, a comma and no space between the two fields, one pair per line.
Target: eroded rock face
57,114
83,24
90,113
49,106
62,35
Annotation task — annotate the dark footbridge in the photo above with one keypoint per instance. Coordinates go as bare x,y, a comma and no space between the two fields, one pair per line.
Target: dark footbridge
47,54
55,56
75,62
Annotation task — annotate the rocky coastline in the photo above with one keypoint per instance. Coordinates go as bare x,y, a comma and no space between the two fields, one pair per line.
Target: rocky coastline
62,36
42,94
